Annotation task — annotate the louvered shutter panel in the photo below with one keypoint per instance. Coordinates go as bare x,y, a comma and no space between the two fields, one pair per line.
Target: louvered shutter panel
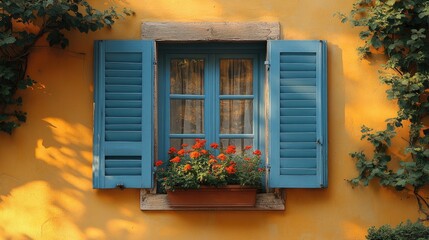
298,114
123,116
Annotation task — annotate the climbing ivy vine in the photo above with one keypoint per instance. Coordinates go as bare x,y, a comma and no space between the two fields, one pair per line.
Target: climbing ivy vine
399,30
22,24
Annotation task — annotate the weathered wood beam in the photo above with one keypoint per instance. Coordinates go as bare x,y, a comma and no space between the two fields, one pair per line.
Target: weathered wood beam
211,31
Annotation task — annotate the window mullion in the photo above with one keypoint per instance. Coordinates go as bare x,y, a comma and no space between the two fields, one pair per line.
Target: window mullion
212,111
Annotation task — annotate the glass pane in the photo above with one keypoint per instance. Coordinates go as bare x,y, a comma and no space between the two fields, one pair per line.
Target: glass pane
236,116
186,116
240,143
187,76
236,77
177,142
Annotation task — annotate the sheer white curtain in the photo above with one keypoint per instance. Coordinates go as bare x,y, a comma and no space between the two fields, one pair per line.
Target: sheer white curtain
236,115
186,77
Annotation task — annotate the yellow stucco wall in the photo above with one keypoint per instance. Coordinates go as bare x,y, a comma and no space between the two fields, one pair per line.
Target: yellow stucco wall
45,166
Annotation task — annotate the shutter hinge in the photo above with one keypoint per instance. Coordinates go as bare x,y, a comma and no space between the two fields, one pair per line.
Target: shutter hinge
267,64
268,167
120,186
319,142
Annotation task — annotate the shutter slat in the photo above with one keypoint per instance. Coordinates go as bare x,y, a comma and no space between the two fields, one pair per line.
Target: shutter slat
123,80
298,74
298,163
297,58
297,103
123,73
298,82
297,145
123,112
123,135
288,153
297,67
298,112
298,137
123,163
123,103
298,119
123,96
124,65
298,89
297,96
123,120
126,127
123,171
123,57
124,88
298,171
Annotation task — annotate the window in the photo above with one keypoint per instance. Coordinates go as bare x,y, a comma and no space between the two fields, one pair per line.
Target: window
214,93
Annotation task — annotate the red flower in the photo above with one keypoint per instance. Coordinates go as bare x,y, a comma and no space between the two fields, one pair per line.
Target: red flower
175,160
199,144
204,152
261,169
221,157
247,147
247,159
212,161
181,152
158,163
214,145
184,145
172,150
257,152
194,154
230,149
187,167
231,169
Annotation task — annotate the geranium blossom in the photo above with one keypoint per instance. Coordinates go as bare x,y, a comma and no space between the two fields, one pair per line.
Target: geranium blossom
181,152
175,160
221,157
214,145
231,149
257,152
172,150
194,154
187,167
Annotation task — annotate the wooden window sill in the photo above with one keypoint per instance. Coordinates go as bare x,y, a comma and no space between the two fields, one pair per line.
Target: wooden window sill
159,202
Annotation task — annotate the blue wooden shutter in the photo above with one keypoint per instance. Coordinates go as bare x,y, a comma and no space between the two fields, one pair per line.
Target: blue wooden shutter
298,114
123,129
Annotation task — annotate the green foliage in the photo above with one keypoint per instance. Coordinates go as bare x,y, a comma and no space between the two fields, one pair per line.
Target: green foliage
191,168
399,30
406,231
22,23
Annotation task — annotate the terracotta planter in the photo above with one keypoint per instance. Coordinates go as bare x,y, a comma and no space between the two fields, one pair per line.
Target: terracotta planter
207,196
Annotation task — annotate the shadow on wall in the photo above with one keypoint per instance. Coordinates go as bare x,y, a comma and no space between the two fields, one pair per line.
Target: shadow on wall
46,166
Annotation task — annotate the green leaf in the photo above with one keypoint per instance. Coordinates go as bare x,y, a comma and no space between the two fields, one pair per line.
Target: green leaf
390,2
7,40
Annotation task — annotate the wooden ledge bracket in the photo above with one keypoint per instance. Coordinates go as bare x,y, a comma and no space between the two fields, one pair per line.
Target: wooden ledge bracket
159,202
210,31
